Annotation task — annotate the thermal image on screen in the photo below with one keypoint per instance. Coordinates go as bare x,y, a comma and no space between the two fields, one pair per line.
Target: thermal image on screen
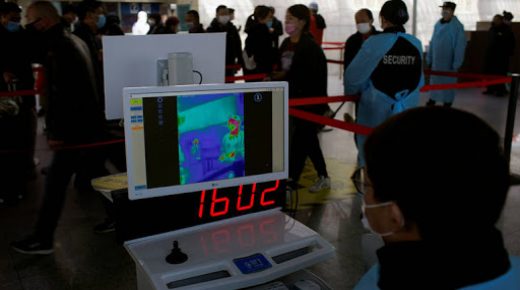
211,137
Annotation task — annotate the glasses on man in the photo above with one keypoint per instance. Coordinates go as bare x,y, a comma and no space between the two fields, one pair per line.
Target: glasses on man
360,180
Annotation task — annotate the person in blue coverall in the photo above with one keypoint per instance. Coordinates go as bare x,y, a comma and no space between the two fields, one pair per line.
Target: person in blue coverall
436,205
446,52
387,71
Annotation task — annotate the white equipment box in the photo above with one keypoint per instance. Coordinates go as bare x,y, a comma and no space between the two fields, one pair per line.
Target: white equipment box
231,254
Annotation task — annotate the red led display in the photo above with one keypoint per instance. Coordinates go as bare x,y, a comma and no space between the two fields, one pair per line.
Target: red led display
245,200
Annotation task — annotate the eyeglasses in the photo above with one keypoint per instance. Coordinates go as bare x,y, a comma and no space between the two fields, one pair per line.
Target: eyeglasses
360,180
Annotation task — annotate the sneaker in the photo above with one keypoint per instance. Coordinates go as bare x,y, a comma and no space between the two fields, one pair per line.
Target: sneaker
321,183
348,118
32,246
105,227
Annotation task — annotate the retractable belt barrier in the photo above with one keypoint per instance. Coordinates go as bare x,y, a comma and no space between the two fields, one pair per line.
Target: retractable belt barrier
483,80
253,77
334,48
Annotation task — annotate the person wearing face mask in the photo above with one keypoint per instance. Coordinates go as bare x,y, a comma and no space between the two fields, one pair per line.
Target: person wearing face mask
508,18
317,25
221,23
17,115
171,25
112,26
432,242
74,117
69,17
91,20
387,72
155,22
192,19
304,67
259,44
365,29
446,53
501,46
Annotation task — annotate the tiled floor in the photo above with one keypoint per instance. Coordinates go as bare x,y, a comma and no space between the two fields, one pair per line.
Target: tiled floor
85,260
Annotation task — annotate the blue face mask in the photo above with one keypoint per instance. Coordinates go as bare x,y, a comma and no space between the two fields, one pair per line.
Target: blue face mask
269,24
13,26
102,20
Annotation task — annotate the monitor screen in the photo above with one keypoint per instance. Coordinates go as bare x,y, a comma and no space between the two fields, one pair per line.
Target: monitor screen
191,138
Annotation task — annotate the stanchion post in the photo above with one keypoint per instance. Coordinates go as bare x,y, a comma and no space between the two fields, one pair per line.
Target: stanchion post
511,115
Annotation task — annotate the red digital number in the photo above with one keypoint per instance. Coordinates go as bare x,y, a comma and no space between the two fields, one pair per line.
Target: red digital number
215,201
263,202
251,199
201,206
220,205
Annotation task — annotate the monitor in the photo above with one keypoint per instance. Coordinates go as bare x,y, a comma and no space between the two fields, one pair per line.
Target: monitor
182,139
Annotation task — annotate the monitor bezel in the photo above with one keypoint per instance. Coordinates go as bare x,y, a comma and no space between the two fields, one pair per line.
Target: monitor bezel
197,187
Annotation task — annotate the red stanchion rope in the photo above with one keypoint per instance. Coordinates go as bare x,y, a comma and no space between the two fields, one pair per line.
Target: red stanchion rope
333,48
462,75
321,100
20,93
465,85
253,77
335,61
234,66
352,127
333,43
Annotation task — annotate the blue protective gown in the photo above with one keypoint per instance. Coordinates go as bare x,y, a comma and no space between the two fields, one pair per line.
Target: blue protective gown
509,281
446,53
375,106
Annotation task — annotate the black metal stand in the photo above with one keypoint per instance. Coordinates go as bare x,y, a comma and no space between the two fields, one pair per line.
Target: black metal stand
510,125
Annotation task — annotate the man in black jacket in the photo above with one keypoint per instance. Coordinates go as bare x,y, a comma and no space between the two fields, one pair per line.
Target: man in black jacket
365,29
74,117
17,127
222,23
500,48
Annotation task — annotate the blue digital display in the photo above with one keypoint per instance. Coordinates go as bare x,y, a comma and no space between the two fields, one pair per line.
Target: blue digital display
252,264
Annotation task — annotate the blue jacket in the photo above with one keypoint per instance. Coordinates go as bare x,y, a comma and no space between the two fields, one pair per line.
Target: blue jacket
446,53
387,71
509,281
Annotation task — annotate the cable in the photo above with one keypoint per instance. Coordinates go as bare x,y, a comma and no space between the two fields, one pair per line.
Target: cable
198,72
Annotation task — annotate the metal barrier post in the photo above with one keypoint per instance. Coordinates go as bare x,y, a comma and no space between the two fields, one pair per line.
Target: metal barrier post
511,115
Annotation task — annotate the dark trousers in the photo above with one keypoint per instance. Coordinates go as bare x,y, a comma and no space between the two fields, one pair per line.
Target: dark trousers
64,164
16,151
305,143
497,64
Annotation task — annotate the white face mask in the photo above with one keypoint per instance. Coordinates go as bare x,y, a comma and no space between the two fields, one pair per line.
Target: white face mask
366,223
364,28
224,19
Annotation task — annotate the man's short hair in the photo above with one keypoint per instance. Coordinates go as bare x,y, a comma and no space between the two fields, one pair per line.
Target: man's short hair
368,13
12,7
194,13
87,6
45,9
444,168
69,9
220,7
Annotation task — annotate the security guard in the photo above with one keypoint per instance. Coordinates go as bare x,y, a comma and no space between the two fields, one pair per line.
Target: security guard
387,71
447,48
